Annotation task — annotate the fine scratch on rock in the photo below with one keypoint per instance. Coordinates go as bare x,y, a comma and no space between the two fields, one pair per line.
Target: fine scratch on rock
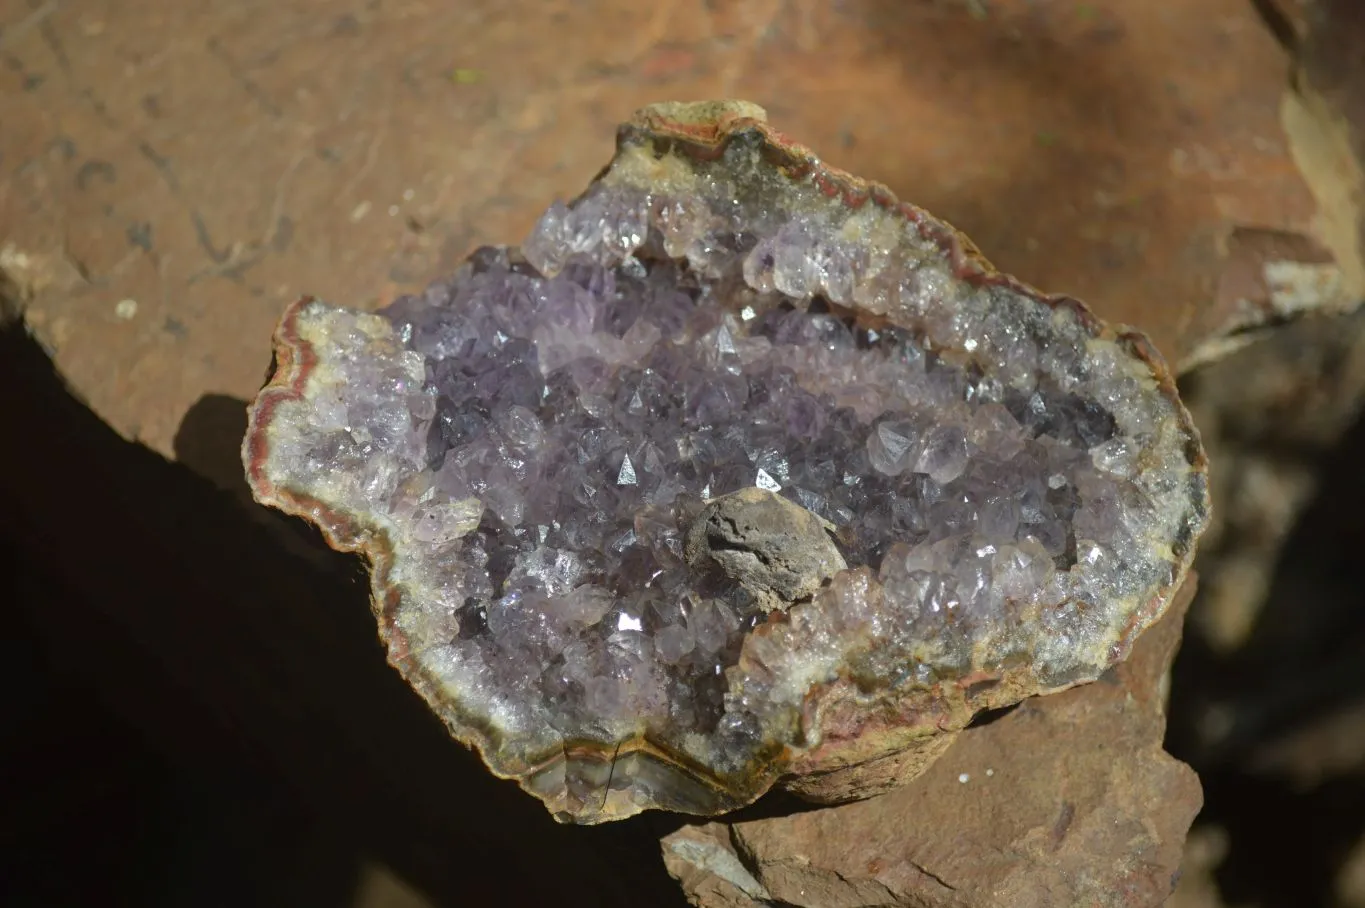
760,22
11,34
854,885
238,75
162,165
653,34
931,875
371,151
242,255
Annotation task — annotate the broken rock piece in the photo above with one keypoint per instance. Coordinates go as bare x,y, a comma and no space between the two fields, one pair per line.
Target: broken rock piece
773,548
1066,800
738,471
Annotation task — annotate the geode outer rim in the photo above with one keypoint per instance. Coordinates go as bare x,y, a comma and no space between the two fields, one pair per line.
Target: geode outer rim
292,365
921,713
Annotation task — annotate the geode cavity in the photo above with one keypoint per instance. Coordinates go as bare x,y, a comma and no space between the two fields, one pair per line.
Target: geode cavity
738,471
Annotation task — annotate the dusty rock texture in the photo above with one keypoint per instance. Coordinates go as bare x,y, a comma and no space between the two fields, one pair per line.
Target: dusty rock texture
1065,800
210,162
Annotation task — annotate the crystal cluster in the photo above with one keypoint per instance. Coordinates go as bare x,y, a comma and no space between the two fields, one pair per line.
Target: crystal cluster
710,441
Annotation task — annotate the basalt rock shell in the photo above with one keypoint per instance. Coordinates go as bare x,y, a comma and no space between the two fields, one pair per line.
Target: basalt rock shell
855,741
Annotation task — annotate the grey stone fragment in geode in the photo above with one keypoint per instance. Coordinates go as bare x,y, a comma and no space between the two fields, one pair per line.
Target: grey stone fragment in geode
774,548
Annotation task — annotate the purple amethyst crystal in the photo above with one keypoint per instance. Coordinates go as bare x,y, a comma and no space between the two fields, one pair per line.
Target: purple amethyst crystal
711,442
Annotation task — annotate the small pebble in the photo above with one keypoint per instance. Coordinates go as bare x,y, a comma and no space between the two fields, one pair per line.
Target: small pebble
126,309
963,778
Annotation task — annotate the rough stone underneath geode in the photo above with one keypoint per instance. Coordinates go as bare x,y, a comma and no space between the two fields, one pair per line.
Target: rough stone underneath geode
712,445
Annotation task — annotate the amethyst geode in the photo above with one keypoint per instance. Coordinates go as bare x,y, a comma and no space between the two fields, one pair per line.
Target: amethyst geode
738,471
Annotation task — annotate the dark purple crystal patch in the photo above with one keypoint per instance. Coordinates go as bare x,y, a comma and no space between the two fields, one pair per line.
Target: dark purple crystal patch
705,446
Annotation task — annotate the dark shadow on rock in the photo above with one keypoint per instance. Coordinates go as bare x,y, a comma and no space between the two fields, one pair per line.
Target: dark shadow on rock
11,299
1303,656
988,716
96,813
245,695
1286,846
209,442
1301,664
775,803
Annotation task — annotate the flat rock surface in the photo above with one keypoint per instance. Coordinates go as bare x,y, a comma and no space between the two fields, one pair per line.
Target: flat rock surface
1065,800
172,176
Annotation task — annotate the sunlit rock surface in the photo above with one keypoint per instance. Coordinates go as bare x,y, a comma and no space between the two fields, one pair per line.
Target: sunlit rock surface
738,470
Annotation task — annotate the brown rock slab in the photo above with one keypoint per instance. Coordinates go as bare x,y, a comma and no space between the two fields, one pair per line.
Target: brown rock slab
1272,275
210,162
1068,799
